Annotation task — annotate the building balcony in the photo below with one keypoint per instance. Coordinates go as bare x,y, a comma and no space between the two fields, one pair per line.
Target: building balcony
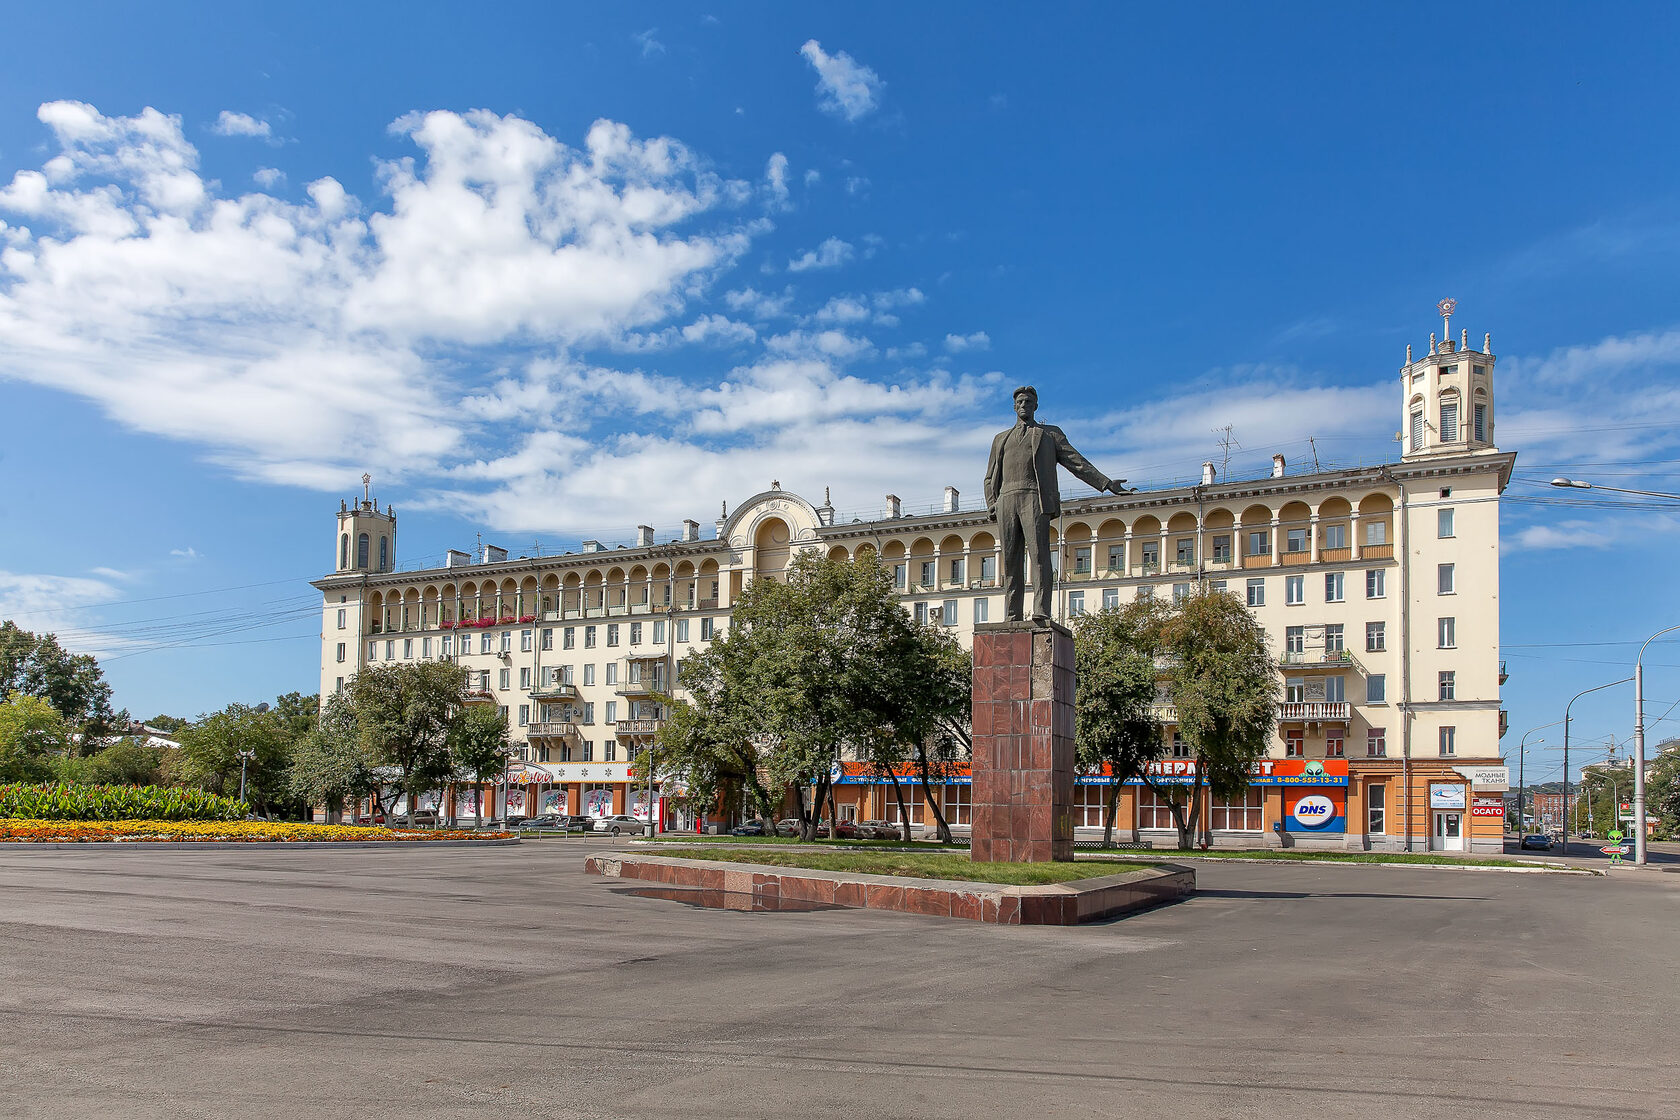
1257,560
1329,659
552,729
479,696
637,728
1164,713
1503,675
1315,711
557,690
1297,556
1334,555
645,685
1377,552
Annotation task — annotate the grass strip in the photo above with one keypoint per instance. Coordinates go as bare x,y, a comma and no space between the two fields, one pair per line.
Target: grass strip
918,865
1341,857
769,841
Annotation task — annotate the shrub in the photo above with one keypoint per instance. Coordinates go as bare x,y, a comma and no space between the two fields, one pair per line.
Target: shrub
64,801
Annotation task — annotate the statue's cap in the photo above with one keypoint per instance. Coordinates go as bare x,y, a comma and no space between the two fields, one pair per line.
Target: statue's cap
1028,390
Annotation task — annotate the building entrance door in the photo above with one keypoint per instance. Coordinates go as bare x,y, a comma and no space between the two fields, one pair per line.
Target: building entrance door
1449,832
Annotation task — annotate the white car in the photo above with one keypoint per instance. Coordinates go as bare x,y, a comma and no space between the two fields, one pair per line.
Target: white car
622,823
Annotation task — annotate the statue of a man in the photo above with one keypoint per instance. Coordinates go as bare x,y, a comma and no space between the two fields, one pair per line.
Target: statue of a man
1022,495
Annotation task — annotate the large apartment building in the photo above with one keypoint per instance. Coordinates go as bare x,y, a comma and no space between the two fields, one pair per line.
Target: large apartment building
1378,586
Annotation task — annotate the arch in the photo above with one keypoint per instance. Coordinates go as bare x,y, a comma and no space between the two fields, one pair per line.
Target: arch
838,552
661,571
951,545
362,555
1375,505
685,569
1219,518
343,551
921,546
982,542
1333,507
1181,523
384,553
894,550
1146,526
772,546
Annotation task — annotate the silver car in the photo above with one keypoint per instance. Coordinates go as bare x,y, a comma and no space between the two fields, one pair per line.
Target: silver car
620,824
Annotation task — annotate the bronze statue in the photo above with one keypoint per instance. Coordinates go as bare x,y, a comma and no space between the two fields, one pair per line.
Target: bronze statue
1021,494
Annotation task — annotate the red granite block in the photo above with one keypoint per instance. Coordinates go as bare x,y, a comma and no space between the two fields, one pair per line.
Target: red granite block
849,894
965,904
1009,910
1039,819
879,896
932,901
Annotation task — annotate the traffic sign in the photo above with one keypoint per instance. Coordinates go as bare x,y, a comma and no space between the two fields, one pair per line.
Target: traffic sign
1614,850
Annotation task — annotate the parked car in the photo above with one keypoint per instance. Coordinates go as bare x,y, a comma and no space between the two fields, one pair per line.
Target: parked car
423,818
544,820
1538,841
620,823
748,828
789,826
575,823
847,830
880,830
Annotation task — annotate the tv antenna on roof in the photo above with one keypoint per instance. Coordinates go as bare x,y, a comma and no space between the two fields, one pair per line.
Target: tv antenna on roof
1226,442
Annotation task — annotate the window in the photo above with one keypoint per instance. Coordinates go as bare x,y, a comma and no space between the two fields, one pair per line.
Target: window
1334,642
1181,592
1449,741
1154,811
1335,536
920,612
525,641
548,638
1444,522
339,687
1480,423
1082,561
588,717
609,749
484,680
1146,592
1260,542
959,570
1335,689
373,650
501,709
1222,548
1240,814
589,746
1376,742
384,554
1110,598
567,675
1444,582
1376,806
1295,540
982,609
1116,557
341,651
1376,533
524,715
390,650
1187,550
1447,633
485,642
1090,803
1294,691
1294,590
1446,684
957,803
1376,637
1180,749
988,569
1219,585
612,634
708,629
362,550
901,576
1449,421
682,630
1151,554
446,645
1376,689
635,633
1294,743
948,612
1334,744
589,637
1295,639
612,711
1333,587
1417,429
1376,583
341,613
344,551
659,632
1256,592
588,675
425,647
525,678
569,638
502,678
927,576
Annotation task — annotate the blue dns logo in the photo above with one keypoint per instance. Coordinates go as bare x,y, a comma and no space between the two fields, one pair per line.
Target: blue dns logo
1314,811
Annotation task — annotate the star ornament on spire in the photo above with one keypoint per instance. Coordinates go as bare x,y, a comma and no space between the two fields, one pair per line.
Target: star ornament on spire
1446,307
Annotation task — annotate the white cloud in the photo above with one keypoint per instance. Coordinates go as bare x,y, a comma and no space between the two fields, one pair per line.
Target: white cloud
856,185
650,45
812,177
268,177
45,604
827,343
832,253
241,124
775,181
963,343
188,553
760,305
1563,534
845,86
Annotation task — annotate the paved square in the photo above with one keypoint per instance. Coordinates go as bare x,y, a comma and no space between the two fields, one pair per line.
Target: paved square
505,983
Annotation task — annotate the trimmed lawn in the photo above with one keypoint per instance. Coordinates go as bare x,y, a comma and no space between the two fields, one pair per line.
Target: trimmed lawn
1346,857
682,838
919,865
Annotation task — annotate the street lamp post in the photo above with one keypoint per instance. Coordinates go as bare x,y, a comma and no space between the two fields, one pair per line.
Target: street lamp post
1522,764
1565,722
1577,484
245,755
1639,852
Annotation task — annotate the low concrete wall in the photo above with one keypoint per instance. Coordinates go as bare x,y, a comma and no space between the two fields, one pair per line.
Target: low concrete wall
1082,900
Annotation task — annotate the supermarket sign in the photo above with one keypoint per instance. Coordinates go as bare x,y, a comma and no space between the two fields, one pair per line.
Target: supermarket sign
1265,772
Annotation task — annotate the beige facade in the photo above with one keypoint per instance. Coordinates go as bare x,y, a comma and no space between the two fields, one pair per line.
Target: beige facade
1378,586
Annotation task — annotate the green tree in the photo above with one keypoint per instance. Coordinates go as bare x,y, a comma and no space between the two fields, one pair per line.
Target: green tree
167,723
209,755
919,698
1662,790
1115,652
32,733
1224,683
479,746
330,765
72,683
403,711
130,761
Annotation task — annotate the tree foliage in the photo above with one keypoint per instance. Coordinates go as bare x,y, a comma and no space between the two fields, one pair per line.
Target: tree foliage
1115,652
403,712
72,683
479,746
32,733
1221,677
330,765
209,755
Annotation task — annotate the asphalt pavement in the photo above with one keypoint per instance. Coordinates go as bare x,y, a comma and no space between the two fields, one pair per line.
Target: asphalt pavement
505,983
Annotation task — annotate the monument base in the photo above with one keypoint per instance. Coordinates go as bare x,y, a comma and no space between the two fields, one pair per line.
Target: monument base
1023,742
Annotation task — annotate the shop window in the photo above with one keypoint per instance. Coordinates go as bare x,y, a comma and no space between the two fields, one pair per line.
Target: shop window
1241,814
957,803
1153,809
1376,809
1089,804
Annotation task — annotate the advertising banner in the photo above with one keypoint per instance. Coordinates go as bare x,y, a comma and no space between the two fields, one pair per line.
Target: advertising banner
1316,812
554,801
597,802
1446,796
1265,772
1487,807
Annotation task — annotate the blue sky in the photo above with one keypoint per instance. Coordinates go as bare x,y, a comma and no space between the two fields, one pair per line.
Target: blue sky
549,273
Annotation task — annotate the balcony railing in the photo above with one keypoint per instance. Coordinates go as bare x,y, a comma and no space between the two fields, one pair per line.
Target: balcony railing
1164,713
479,696
645,685
1296,711
552,729
1377,552
556,690
632,727
1320,659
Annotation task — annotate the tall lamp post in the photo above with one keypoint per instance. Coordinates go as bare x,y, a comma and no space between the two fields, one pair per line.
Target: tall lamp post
1522,767
245,755
1565,722
1639,852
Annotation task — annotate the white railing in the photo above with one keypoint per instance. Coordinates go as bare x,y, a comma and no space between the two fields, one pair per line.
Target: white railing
1315,710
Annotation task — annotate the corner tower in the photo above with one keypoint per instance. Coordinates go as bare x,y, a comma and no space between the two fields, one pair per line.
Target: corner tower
367,538
1448,395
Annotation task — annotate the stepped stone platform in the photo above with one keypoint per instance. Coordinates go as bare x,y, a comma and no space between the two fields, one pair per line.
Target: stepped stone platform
1055,904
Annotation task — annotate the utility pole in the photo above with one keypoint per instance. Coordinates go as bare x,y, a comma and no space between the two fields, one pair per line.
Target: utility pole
1565,722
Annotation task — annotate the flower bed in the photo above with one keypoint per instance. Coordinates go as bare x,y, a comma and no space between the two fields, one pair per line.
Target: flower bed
75,832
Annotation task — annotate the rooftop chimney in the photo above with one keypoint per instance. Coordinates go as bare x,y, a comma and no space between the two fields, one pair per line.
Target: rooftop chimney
691,530
455,558
493,554
951,499
1277,466
894,507
825,512
723,519
1207,474
644,535
592,546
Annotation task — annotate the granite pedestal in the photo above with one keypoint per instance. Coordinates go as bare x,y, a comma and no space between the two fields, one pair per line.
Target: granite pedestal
1023,742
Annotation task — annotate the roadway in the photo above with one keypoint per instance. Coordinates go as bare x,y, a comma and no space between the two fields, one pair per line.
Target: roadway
504,982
